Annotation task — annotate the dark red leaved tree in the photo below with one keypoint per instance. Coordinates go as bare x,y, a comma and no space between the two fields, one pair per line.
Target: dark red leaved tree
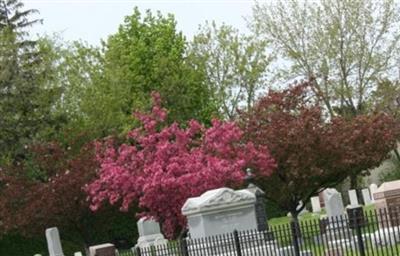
313,153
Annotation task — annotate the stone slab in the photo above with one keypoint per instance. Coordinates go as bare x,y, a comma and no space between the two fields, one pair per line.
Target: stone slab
54,242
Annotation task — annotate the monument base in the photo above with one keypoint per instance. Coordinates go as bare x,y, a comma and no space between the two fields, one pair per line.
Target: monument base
150,240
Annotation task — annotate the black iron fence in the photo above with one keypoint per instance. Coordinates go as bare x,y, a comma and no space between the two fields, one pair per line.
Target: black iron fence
373,232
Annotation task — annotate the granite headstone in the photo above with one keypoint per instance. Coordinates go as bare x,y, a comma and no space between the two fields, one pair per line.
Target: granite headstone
220,211
53,242
373,188
333,203
387,198
149,233
102,250
366,196
315,204
353,197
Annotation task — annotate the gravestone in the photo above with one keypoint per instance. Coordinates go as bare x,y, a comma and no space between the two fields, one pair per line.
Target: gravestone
321,199
335,214
355,216
366,196
261,215
333,203
353,197
53,242
220,211
373,188
149,233
315,204
387,199
78,254
102,250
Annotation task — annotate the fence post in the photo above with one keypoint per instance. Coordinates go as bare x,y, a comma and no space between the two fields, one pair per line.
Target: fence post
137,251
357,225
237,243
295,236
184,248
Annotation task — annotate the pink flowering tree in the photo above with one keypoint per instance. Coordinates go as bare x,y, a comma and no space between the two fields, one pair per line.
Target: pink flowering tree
163,166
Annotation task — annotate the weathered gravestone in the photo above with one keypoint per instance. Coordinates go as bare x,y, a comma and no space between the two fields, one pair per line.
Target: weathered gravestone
335,215
315,204
53,242
353,197
220,211
149,233
373,188
387,202
102,250
366,196
333,203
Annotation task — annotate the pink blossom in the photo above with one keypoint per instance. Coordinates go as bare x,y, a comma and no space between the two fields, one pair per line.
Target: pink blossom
161,169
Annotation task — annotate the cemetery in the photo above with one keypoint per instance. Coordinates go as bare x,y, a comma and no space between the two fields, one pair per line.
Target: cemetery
230,222
158,128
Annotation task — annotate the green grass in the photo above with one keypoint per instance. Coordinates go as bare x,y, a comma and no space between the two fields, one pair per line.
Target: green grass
309,216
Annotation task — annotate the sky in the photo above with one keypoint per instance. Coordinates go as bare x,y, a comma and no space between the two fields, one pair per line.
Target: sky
92,20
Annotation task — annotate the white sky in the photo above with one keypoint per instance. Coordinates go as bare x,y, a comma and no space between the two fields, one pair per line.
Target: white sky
91,20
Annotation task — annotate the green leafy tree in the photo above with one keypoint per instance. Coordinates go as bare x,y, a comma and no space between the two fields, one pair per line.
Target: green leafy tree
25,95
235,65
148,54
346,45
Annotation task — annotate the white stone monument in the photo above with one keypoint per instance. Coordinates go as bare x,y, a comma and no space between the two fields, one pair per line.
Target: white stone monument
149,233
366,196
78,254
220,211
373,188
333,203
353,197
53,242
315,204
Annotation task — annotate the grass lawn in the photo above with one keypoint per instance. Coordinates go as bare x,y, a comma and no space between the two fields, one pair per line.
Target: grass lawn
309,216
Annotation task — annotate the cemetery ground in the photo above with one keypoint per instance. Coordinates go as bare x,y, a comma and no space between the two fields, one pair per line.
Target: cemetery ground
277,224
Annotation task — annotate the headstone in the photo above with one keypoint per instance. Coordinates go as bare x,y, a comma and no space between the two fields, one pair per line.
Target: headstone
353,197
333,203
261,215
220,211
78,254
373,188
366,196
321,199
149,233
355,216
102,250
315,204
53,242
387,199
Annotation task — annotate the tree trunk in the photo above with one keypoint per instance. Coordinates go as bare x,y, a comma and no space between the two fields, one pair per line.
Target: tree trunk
295,216
397,154
353,181
183,233
296,231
